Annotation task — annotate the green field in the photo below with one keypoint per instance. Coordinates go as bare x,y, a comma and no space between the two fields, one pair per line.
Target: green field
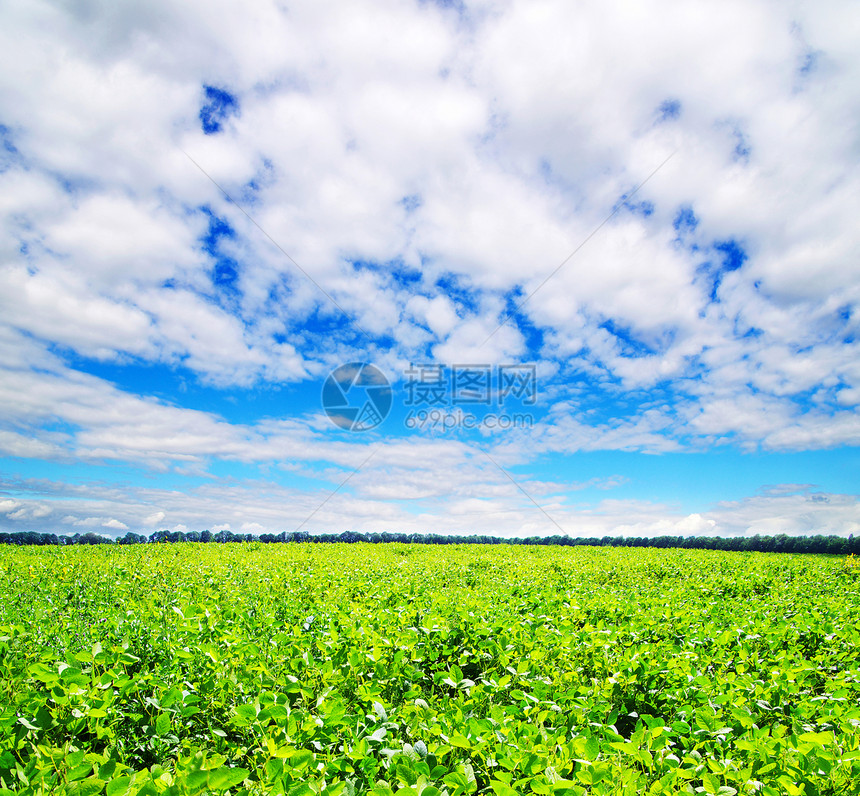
352,669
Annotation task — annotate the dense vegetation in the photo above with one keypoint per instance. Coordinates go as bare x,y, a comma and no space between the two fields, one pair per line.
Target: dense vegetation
781,543
351,669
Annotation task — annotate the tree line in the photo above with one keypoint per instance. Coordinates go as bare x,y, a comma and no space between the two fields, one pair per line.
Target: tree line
781,543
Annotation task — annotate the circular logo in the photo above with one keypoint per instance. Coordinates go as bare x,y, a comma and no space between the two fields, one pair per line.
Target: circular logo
357,396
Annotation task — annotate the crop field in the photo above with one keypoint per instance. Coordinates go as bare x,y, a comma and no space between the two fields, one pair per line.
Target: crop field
410,669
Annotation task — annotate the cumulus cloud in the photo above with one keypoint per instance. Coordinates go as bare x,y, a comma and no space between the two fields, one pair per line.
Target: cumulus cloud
655,203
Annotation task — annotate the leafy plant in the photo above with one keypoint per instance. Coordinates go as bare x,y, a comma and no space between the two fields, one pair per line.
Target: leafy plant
438,671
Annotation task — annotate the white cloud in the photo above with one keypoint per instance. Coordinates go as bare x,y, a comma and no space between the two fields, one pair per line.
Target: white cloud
480,500
7,506
98,522
429,169
154,519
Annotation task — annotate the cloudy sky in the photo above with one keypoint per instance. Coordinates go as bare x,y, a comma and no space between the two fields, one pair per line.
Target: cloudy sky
646,210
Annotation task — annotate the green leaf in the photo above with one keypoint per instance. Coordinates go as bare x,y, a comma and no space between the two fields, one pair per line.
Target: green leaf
86,787
79,771
224,777
119,786
162,724
592,749
106,771
301,760
196,780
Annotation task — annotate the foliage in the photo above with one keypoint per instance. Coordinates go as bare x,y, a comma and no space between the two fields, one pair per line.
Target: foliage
407,669
782,543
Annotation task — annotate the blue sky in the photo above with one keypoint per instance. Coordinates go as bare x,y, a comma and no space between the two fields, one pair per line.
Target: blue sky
667,238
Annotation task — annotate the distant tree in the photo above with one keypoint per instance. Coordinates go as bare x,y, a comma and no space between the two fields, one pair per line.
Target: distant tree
94,538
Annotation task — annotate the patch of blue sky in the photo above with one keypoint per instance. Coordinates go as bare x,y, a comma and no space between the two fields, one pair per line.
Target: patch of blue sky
517,315
846,319
412,202
328,325
462,294
395,272
497,122
176,385
8,151
225,269
74,185
606,401
642,208
732,256
323,321
250,193
742,146
546,171
225,275
629,344
668,110
808,62
695,482
685,221
219,105
218,229
56,425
